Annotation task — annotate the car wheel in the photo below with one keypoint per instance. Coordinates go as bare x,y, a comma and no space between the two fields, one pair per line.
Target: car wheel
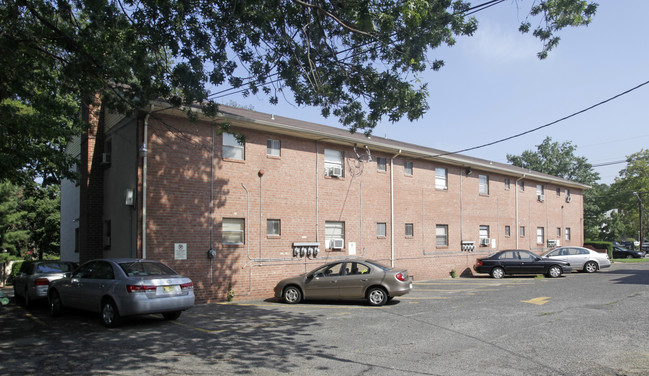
292,295
28,300
376,296
554,271
497,272
109,314
56,306
171,315
590,267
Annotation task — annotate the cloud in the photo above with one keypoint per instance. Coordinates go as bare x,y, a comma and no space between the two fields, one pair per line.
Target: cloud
501,44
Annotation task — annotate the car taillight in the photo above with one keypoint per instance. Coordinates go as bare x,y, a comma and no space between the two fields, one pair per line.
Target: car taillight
400,276
186,286
41,282
478,262
139,288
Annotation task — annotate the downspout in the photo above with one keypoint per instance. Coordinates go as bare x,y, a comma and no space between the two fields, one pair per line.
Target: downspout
392,207
518,226
145,152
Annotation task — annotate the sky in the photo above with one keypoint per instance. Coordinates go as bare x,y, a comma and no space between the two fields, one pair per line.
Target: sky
493,86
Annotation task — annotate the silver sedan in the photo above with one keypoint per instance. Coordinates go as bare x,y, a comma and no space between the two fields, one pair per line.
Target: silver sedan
34,277
580,258
123,287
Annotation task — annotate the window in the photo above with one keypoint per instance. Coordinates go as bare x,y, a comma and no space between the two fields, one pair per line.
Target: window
232,149
334,230
441,234
558,192
77,239
522,231
407,168
507,183
521,186
380,164
410,230
484,184
540,235
559,232
232,231
567,192
441,175
380,229
273,227
567,233
107,233
273,148
508,231
484,232
539,189
334,163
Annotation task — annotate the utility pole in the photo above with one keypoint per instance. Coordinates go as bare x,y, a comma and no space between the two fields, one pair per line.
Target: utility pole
639,218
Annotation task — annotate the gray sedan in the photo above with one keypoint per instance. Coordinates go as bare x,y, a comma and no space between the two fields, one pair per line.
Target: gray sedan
347,280
123,287
34,277
580,258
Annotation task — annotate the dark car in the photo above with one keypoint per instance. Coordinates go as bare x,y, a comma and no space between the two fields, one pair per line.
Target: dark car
123,287
620,252
346,280
516,261
34,278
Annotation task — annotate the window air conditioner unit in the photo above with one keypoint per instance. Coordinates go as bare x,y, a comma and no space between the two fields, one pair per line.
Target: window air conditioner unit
541,198
485,241
337,243
568,198
336,171
552,243
105,158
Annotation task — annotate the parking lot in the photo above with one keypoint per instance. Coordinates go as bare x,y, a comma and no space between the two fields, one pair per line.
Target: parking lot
579,324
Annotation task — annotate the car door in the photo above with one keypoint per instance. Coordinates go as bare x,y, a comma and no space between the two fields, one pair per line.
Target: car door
530,263
510,262
355,279
323,283
93,286
577,257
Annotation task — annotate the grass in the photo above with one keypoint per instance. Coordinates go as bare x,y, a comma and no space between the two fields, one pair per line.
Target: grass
633,260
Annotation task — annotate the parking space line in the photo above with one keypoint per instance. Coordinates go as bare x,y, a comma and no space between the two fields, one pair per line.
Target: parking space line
36,319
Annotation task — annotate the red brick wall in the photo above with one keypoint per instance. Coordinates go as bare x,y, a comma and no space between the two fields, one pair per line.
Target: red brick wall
181,191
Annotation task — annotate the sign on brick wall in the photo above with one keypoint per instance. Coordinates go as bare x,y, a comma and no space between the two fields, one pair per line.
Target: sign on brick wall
180,251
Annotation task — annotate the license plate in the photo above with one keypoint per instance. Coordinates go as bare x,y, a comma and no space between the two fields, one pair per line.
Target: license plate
168,289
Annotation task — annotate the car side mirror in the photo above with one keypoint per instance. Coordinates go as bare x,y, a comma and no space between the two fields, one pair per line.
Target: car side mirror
319,275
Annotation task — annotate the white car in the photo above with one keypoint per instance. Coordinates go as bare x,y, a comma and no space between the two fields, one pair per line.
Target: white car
580,258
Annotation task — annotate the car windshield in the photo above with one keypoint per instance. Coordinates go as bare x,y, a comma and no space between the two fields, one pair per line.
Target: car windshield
143,269
54,268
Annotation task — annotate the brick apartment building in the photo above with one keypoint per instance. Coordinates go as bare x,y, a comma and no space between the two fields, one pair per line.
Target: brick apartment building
295,195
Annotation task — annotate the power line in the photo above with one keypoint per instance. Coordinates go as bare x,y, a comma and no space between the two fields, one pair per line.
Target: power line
609,163
548,124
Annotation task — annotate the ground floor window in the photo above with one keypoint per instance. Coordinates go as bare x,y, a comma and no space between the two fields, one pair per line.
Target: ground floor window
273,227
522,231
508,231
380,229
540,235
233,231
410,231
441,234
334,234
567,233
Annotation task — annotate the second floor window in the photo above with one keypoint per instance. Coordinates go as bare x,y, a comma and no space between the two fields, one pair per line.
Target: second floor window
334,163
380,164
441,178
407,168
484,184
232,149
273,148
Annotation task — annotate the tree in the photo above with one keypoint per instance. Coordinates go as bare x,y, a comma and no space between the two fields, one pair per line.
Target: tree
357,60
631,191
558,160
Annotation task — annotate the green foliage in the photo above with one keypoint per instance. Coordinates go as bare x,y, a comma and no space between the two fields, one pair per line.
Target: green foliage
631,194
29,219
558,160
358,60
608,246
